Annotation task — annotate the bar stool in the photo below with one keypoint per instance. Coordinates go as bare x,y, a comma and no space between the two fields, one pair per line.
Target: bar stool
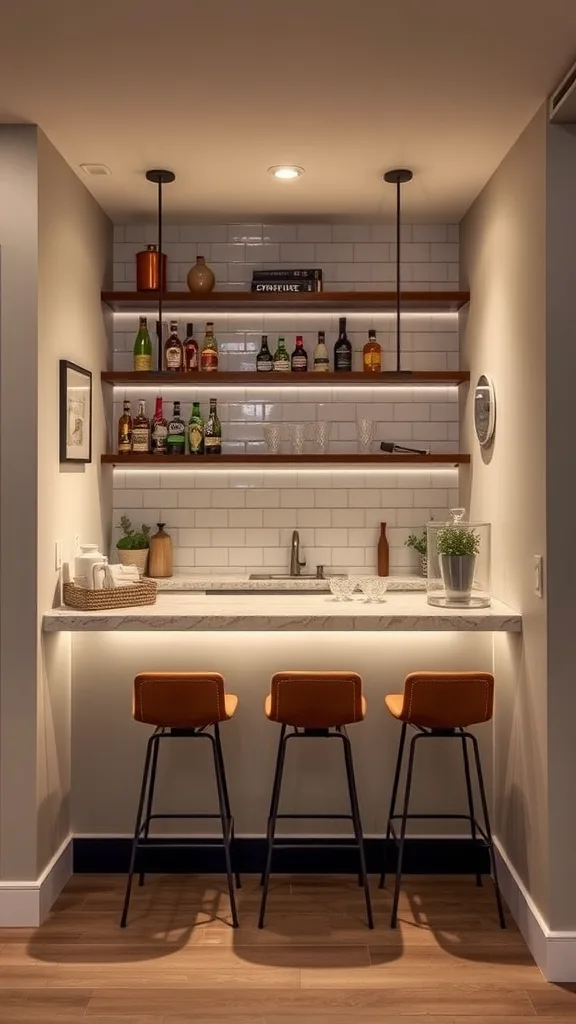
442,705
315,705
181,705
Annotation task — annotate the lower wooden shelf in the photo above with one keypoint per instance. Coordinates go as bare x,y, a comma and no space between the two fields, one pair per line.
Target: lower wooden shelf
213,461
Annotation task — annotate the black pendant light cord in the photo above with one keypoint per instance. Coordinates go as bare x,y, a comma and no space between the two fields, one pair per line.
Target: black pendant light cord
398,177
160,178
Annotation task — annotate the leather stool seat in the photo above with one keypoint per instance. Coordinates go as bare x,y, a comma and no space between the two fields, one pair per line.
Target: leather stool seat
182,700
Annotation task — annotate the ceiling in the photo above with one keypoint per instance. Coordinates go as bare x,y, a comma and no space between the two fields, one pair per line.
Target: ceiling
220,90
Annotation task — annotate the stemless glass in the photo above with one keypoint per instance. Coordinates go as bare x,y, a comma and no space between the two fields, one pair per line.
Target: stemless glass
322,429
297,435
365,432
272,437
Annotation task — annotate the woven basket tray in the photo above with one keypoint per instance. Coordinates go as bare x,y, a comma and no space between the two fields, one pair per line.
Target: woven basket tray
120,597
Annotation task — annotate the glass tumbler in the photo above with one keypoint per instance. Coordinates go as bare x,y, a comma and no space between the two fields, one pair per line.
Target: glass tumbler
297,435
273,438
365,432
322,436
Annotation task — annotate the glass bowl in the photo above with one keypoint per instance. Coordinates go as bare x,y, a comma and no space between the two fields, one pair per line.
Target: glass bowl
373,587
342,587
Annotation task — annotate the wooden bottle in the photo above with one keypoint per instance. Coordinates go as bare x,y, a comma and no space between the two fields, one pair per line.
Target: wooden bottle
160,556
383,552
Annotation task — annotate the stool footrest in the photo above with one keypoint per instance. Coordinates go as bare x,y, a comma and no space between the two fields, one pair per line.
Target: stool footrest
482,837
315,817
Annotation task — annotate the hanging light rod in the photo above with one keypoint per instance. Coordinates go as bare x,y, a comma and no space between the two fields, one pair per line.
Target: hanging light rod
160,177
398,176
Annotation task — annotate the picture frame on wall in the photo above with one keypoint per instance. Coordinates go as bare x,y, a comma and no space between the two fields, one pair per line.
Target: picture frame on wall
75,413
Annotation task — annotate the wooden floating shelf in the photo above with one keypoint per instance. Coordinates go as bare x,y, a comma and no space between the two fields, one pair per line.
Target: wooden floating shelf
408,378
212,462
295,302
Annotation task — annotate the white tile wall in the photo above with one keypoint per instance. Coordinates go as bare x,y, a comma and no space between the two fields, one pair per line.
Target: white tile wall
231,521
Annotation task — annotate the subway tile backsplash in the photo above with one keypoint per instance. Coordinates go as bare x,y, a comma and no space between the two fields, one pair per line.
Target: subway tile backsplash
226,521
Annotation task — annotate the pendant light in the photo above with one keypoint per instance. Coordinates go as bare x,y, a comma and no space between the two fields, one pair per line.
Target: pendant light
398,177
160,178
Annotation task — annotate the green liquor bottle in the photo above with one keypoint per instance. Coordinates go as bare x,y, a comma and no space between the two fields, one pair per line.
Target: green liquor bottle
281,357
213,431
176,439
196,431
142,347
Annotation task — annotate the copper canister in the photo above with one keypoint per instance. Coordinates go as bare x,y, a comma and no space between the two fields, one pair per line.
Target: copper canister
147,269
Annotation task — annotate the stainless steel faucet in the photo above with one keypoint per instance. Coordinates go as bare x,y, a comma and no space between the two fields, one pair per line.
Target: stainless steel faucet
295,563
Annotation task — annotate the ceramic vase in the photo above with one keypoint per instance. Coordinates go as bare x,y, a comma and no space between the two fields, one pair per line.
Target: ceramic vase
200,278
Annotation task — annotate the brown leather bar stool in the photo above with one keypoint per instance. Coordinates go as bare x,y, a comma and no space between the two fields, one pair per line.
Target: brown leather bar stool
182,705
315,705
442,705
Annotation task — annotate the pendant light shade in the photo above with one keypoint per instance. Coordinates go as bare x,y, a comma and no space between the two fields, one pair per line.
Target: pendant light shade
160,177
398,177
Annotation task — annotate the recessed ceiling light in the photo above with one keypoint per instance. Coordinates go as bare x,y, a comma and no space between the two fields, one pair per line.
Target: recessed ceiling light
96,170
286,173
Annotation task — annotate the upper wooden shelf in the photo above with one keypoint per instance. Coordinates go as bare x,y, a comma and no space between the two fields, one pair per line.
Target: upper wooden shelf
210,462
406,378
301,302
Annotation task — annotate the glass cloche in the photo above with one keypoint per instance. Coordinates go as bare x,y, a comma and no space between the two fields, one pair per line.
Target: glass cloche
458,562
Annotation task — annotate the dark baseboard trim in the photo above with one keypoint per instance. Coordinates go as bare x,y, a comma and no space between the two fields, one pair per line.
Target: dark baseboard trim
421,857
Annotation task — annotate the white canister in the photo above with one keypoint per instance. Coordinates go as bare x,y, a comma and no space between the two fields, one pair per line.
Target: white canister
83,563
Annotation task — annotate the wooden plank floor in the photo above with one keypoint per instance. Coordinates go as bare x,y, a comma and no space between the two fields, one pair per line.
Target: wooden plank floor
179,961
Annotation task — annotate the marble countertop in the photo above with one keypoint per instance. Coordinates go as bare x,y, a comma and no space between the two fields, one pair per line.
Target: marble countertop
183,584
289,612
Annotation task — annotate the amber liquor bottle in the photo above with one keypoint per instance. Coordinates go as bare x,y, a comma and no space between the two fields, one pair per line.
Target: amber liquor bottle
173,350
191,351
125,430
159,433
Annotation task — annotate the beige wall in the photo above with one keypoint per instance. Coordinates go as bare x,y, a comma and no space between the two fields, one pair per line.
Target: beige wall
503,253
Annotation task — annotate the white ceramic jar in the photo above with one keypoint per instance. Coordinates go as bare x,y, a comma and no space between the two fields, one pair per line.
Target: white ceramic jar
84,563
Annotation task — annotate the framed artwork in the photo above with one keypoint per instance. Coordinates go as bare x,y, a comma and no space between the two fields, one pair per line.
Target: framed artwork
75,413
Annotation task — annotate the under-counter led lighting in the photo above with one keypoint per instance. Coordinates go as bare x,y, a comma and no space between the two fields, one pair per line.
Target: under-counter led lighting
286,172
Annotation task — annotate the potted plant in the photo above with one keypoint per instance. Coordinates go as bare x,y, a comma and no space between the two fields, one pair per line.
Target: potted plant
133,546
457,545
420,544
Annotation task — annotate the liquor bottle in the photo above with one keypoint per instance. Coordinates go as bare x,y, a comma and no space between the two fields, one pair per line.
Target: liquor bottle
141,430
281,357
196,431
299,360
125,431
383,552
176,440
209,354
173,351
372,354
159,430
264,359
213,432
142,347
191,359
321,357
342,349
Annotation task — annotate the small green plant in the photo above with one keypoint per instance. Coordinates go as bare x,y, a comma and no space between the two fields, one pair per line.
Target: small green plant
458,540
133,540
420,544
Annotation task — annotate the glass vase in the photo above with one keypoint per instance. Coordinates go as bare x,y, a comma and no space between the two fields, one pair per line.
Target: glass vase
458,556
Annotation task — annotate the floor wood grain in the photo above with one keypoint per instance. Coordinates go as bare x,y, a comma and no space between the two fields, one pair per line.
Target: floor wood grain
315,963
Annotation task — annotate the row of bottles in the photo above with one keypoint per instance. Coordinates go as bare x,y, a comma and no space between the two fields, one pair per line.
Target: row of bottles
162,436
188,356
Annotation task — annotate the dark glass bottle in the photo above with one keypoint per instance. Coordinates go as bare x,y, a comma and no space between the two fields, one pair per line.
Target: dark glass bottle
173,351
299,360
196,431
125,430
191,351
213,431
264,359
159,430
176,440
342,350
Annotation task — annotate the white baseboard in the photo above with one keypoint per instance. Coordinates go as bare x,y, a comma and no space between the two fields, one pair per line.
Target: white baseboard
26,904
553,951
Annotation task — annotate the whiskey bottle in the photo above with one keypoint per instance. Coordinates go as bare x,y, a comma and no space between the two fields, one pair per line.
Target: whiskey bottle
372,354
142,350
191,359
196,431
264,360
209,354
213,431
321,357
281,357
342,350
173,351
176,440
125,431
159,431
141,430
299,360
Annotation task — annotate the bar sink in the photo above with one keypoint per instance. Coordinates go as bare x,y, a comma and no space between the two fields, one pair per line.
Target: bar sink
283,576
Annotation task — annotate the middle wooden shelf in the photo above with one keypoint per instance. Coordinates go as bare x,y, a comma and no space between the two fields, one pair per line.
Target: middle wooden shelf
389,378
380,459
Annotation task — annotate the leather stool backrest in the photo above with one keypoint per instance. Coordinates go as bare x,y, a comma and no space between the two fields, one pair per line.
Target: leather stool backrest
448,700
179,700
316,700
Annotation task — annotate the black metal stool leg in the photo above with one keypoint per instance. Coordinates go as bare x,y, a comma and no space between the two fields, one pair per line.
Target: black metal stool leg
226,830
484,802
406,808
274,786
355,809
271,830
150,801
470,798
154,740
392,809
226,798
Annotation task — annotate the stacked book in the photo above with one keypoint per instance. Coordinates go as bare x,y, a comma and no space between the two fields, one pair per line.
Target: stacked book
287,280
